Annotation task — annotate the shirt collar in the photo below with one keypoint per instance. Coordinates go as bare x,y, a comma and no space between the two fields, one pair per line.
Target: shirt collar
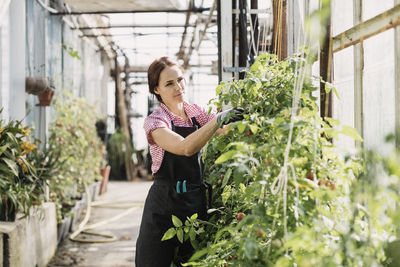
173,116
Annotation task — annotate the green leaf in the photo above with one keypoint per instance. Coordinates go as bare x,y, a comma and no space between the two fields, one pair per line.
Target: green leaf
192,234
3,148
350,131
170,233
241,126
332,133
220,88
226,177
332,122
336,92
179,234
250,248
194,217
253,128
12,165
198,254
226,156
176,221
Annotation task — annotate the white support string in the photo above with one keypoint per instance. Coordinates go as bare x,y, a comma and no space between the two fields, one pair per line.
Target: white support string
279,185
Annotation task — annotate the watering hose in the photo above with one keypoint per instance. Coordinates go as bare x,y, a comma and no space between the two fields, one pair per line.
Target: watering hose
82,228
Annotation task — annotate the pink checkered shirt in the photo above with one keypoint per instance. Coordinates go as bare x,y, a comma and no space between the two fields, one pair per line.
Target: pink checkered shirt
161,117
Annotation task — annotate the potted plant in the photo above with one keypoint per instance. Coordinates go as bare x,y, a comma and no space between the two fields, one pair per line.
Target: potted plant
20,187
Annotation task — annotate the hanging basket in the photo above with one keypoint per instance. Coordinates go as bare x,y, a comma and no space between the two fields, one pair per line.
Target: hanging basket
46,97
36,85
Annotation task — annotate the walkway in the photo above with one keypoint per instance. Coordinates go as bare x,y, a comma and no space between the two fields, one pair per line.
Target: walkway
120,253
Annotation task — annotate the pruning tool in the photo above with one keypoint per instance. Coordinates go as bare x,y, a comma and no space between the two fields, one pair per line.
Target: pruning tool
178,189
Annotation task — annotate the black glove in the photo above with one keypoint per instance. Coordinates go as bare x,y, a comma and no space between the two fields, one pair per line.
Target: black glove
230,115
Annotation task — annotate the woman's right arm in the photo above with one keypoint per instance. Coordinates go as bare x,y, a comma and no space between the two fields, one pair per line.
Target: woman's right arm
176,144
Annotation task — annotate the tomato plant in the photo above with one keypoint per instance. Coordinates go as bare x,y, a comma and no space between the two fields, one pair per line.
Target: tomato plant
303,202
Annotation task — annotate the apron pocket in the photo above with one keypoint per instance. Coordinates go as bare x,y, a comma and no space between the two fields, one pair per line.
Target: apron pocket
191,202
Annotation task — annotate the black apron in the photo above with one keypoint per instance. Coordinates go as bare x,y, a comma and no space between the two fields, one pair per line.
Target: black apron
163,200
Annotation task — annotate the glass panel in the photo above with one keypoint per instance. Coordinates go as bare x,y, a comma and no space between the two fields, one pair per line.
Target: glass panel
342,16
371,8
343,108
378,88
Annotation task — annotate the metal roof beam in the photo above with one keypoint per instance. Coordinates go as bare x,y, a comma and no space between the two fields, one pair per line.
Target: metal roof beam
194,10
135,26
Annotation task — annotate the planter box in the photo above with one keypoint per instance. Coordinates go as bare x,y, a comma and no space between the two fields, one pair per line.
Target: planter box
63,229
32,241
95,190
77,213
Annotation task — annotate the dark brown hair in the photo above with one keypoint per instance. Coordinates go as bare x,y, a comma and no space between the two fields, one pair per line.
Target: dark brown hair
154,71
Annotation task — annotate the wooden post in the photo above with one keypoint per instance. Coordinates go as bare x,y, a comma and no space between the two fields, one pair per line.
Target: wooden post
397,80
279,36
243,45
123,119
358,75
234,29
325,69
254,22
117,79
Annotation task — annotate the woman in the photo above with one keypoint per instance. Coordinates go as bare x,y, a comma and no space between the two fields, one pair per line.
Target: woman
176,132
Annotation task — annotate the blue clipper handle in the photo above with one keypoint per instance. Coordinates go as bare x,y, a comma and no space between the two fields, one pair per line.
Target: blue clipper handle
184,186
178,190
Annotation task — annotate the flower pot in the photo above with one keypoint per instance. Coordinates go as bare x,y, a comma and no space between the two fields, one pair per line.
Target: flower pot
7,210
46,97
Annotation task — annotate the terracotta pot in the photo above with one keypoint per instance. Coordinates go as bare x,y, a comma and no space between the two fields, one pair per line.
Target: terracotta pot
46,97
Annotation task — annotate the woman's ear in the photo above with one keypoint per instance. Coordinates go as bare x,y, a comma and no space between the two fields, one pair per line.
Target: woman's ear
156,91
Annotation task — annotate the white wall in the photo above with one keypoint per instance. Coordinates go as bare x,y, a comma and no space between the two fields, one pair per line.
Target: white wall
4,64
17,59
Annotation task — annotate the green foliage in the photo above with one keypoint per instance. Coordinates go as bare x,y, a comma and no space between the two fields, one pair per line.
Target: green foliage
118,152
71,51
282,196
74,153
186,231
20,186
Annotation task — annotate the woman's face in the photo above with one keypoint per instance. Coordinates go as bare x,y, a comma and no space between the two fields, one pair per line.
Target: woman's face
171,85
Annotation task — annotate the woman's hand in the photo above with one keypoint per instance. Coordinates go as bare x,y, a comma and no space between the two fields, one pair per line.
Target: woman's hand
229,116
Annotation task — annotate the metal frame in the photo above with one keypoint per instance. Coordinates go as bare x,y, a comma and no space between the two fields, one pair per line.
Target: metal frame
135,26
224,38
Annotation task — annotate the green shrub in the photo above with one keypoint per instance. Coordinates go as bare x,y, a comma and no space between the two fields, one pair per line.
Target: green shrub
74,151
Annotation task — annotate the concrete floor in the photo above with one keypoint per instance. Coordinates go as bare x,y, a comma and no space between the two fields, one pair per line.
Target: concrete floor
126,229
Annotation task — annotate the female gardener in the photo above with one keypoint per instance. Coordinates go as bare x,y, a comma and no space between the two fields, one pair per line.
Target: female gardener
176,132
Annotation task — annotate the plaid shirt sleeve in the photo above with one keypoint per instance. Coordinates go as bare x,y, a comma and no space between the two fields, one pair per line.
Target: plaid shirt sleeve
152,122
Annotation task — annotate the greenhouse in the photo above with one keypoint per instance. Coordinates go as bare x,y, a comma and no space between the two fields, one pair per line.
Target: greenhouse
199,133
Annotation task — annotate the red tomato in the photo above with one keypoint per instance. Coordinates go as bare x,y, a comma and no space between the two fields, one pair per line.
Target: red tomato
240,216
